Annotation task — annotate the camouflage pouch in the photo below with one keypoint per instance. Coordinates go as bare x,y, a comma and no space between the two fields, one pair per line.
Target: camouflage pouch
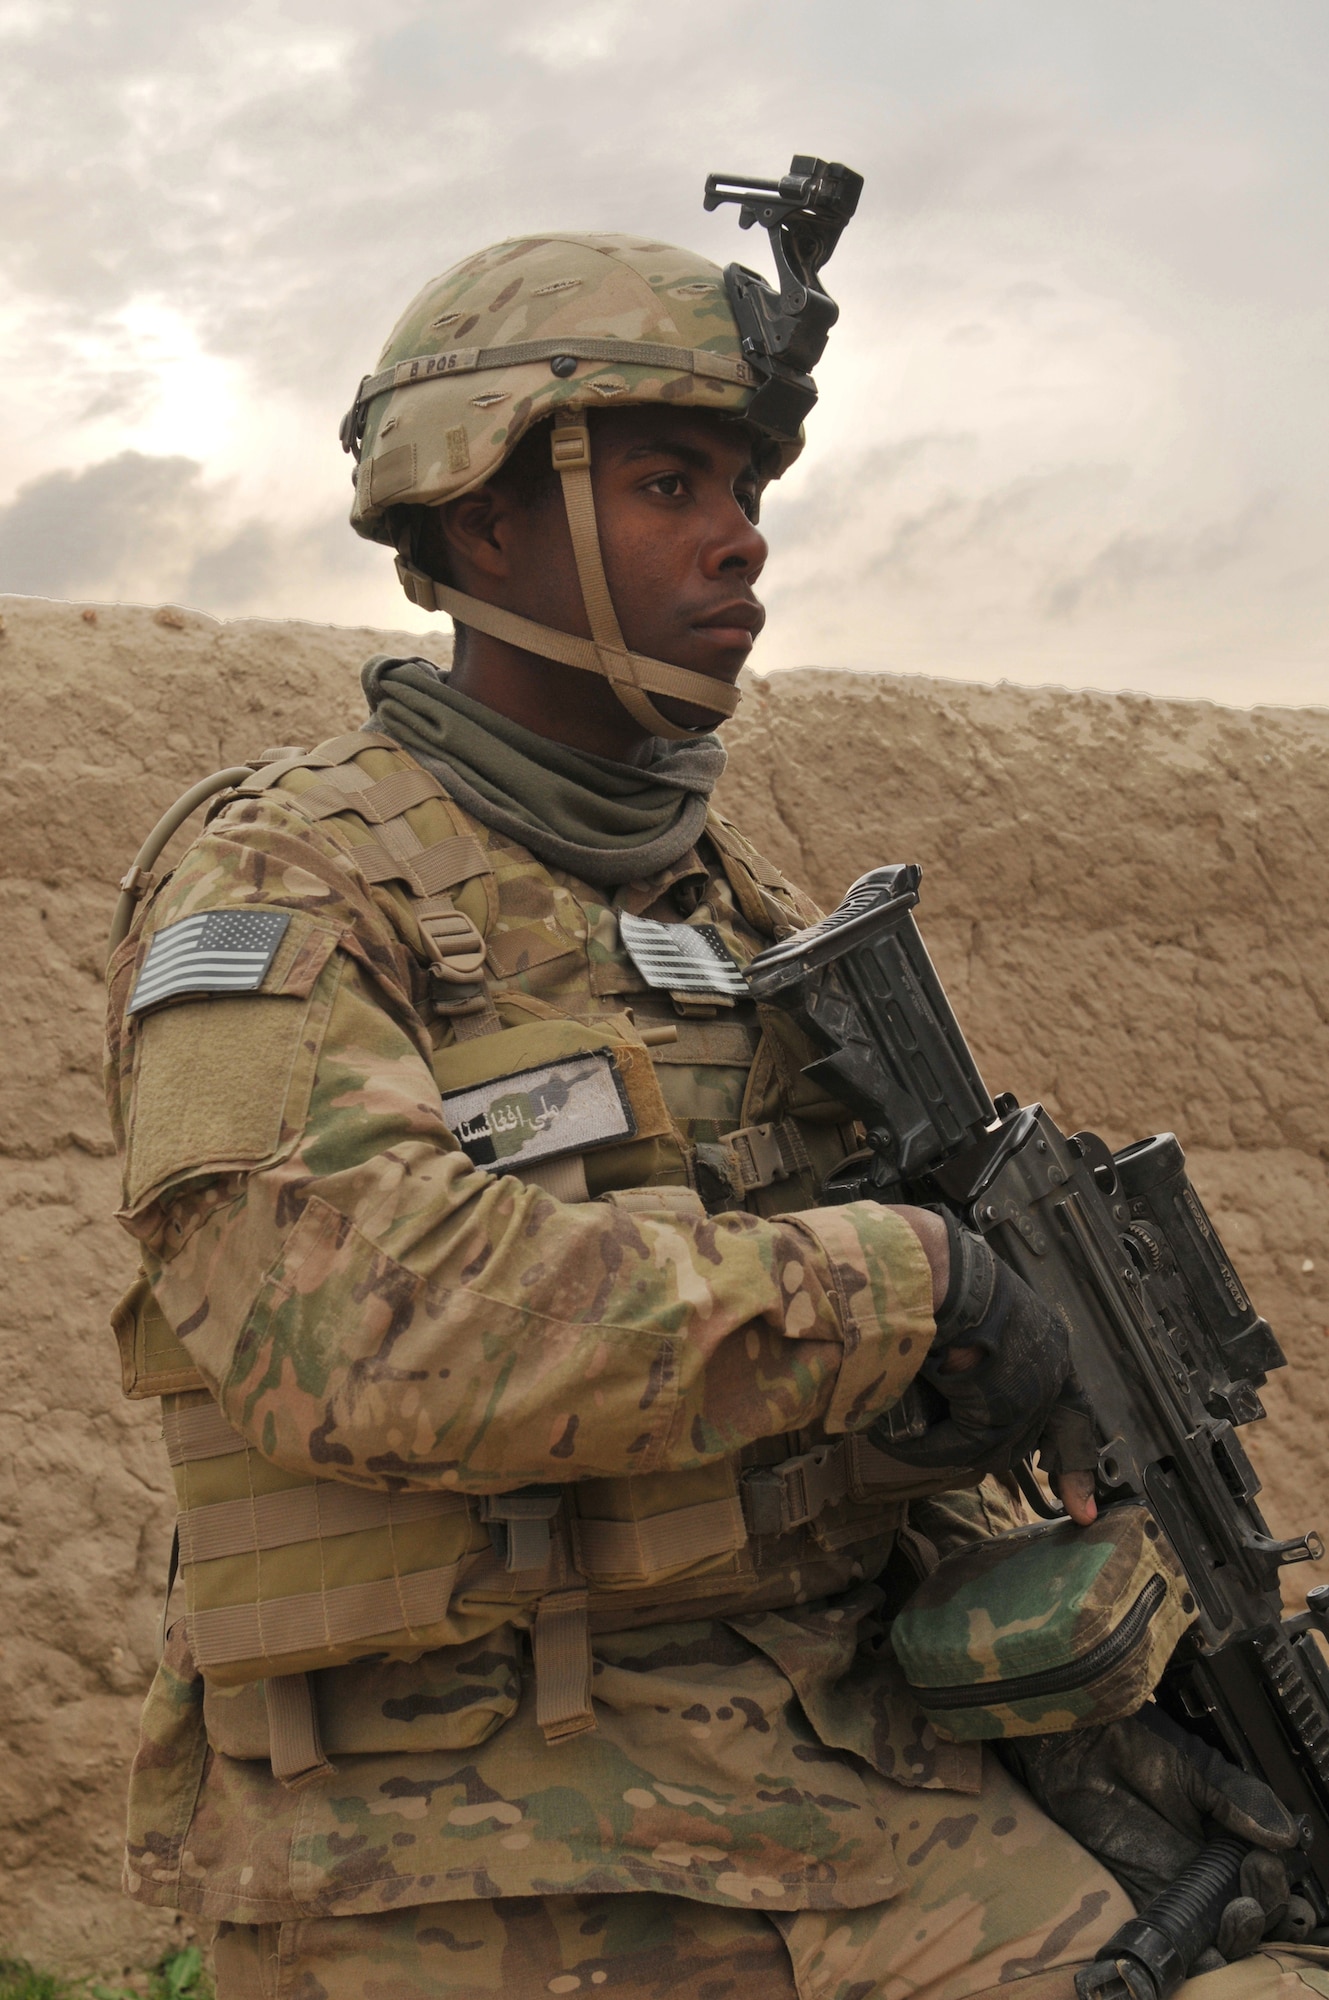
1046,1628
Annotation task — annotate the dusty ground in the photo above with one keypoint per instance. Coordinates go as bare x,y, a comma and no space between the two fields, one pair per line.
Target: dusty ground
1126,898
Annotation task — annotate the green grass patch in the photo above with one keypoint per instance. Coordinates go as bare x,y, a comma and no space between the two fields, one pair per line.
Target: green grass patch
178,1976
18,1981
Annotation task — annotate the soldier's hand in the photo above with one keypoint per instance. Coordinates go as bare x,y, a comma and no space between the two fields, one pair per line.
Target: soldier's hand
1000,1360
1144,1796
1068,1452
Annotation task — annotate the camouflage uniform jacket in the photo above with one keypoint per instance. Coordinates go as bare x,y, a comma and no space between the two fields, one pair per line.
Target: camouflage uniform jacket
366,1305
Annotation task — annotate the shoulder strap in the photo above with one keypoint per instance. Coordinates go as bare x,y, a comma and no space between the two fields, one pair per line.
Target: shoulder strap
767,899
325,756
258,774
389,850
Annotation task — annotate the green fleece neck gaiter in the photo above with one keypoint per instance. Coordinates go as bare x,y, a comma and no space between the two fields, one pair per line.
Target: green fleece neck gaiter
605,822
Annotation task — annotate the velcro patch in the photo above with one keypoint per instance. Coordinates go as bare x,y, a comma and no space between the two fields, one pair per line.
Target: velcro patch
538,1114
681,958
217,951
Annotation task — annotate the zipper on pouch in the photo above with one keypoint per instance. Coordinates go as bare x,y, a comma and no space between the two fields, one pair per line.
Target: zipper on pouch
1090,1666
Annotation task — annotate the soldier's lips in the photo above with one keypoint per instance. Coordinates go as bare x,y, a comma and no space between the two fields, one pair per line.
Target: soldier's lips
734,628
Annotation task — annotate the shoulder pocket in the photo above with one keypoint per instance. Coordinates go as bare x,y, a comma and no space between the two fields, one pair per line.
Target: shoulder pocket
222,1085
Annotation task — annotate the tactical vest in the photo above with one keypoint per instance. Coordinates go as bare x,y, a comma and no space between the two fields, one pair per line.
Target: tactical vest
520,970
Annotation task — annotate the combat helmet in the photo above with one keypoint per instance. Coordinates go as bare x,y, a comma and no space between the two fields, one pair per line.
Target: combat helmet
546,328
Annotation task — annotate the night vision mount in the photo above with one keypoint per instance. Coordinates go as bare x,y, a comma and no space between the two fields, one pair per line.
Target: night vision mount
784,334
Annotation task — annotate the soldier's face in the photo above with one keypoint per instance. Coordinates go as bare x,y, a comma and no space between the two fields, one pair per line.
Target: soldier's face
676,495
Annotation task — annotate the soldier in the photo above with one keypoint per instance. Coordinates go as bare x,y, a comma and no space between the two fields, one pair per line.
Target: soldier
537,1542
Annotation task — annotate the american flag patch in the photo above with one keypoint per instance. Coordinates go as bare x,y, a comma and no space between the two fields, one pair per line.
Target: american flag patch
681,958
218,951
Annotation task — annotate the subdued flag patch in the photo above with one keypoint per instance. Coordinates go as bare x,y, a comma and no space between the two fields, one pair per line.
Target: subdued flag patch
681,958
217,951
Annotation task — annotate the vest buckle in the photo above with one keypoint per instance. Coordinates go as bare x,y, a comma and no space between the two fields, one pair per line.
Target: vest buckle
777,1499
518,1525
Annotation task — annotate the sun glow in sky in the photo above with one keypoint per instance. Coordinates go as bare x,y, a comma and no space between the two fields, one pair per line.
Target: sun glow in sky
1075,417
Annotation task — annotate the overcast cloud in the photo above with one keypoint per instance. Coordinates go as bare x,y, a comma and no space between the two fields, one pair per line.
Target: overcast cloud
1075,418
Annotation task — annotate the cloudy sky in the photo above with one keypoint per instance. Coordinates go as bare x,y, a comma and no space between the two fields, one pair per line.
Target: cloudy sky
1075,418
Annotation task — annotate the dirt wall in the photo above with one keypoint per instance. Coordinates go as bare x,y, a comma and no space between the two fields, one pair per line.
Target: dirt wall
1126,898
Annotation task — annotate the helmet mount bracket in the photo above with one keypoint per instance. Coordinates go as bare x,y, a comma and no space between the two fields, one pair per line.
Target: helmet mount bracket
784,333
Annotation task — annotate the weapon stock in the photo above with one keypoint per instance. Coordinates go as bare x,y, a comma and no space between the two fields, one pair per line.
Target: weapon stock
1163,1337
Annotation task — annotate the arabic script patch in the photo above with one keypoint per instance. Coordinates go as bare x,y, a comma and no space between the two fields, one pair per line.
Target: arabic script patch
563,1107
217,951
681,958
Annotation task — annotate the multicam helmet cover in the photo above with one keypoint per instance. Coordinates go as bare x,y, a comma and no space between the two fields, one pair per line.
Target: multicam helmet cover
461,393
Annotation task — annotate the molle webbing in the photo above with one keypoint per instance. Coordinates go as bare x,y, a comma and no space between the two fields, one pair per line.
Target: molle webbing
431,872
199,1430
660,1541
315,1511
561,1653
569,1552
429,1566
408,1604
300,1514
377,799
394,852
564,1179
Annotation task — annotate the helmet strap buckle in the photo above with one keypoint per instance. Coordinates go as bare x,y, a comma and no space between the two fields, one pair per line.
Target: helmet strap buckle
570,442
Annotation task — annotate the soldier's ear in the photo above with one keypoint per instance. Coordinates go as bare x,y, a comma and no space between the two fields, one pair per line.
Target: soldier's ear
474,530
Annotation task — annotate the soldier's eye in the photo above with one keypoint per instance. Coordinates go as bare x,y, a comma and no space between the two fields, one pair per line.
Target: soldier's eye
668,483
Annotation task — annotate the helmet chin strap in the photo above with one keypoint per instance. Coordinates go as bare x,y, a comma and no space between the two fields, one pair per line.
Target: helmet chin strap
632,676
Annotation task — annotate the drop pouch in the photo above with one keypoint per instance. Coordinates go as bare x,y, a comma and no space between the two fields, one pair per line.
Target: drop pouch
1046,1628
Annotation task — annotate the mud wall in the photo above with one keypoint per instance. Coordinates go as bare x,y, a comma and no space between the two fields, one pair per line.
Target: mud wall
1126,898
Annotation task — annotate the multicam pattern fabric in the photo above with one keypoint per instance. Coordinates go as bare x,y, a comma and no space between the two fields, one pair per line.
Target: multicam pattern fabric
647,1946
1035,1904
368,1307
740,1764
663,1949
725,1335
757,1771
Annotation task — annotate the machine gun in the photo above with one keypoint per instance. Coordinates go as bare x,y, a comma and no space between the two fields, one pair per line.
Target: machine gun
1163,1339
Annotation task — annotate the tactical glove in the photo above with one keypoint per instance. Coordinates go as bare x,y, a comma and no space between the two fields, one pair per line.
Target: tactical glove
997,1409
1144,1797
